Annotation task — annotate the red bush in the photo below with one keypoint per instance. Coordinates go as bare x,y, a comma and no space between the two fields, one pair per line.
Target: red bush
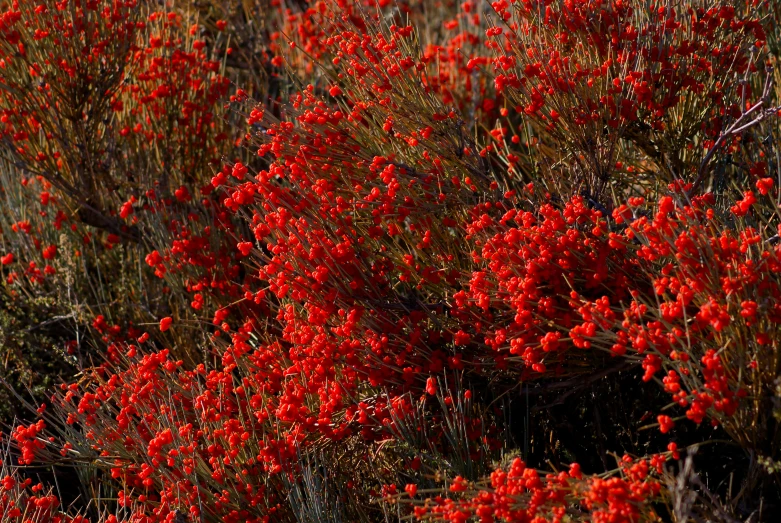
357,274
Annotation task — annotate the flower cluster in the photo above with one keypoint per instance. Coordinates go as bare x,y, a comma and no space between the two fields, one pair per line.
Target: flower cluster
519,493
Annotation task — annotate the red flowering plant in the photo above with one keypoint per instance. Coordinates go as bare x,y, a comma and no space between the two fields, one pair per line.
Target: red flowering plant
708,331
111,130
569,202
23,501
518,493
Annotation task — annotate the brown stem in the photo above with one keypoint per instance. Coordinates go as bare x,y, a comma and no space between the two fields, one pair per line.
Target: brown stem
737,127
92,216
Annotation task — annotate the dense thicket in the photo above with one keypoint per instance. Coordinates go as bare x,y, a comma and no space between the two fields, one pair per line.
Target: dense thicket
377,261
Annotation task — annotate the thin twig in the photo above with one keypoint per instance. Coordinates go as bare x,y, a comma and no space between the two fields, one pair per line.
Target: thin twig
738,127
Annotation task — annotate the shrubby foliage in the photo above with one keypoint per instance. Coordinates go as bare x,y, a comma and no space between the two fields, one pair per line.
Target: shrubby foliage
358,261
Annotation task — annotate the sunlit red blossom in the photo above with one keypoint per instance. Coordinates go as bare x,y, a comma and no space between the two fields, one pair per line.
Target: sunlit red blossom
165,323
665,423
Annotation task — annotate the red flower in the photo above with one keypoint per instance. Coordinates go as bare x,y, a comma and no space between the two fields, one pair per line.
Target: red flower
431,386
239,170
574,471
182,194
665,423
462,338
741,207
165,323
9,483
126,210
459,484
764,185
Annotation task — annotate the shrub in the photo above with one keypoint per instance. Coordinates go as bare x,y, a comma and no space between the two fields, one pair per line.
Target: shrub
460,262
